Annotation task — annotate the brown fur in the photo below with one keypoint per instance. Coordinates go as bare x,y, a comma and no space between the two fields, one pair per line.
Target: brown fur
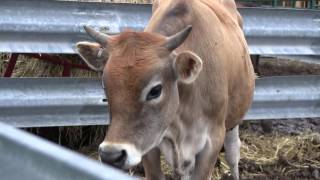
222,34
190,122
224,88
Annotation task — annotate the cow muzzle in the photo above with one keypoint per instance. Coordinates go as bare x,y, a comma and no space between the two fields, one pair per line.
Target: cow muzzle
119,155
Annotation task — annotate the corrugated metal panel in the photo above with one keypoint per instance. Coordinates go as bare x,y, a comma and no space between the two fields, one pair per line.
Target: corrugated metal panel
55,26
34,102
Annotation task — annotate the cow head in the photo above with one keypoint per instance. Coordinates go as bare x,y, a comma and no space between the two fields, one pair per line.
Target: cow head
141,73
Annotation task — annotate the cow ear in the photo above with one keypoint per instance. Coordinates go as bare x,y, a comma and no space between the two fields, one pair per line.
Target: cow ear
188,66
93,54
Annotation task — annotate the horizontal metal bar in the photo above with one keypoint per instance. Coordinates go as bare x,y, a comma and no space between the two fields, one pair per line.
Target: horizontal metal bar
286,97
36,102
29,102
307,59
282,31
24,156
37,26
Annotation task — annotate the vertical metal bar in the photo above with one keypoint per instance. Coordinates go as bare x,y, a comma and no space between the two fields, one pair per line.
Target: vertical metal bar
66,69
293,3
12,63
313,4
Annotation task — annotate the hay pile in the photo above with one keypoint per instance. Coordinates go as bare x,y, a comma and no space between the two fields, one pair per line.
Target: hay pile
273,156
297,151
31,67
285,155
3,58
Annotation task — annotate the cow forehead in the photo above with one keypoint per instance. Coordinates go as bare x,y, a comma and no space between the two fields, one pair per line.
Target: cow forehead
128,74
125,85
133,43
134,57
128,80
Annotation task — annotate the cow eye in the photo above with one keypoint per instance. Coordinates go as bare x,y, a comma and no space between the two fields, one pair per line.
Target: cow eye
155,92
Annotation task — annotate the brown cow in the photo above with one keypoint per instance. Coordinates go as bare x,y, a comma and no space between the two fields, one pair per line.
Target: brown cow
175,89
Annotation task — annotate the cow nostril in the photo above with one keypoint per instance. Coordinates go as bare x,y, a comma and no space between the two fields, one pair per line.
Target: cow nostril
114,158
122,157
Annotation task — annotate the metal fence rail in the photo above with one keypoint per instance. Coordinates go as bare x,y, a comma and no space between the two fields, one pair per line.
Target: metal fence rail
55,26
29,102
307,59
286,97
24,156
35,102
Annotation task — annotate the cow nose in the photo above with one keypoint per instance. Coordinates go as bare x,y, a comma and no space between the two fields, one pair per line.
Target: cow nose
113,157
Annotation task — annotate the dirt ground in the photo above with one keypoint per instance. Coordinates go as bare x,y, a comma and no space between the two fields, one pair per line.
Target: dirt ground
287,149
